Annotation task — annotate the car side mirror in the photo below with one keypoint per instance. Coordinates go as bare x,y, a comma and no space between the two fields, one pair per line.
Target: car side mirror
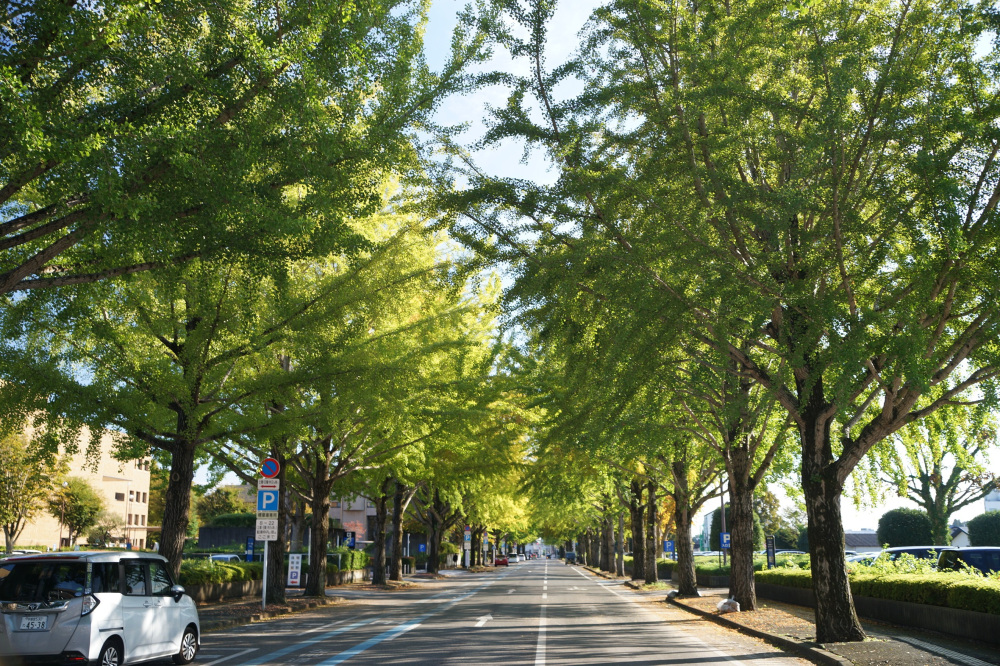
177,591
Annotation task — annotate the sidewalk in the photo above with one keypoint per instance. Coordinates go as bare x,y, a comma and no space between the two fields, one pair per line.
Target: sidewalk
792,628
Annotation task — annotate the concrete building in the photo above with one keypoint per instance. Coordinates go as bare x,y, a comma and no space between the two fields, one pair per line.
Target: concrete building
862,541
124,487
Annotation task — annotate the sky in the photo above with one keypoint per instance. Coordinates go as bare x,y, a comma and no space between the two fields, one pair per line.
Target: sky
567,22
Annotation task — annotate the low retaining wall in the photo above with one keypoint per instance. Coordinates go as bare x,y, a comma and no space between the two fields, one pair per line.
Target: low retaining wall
950,621
222,591
705,580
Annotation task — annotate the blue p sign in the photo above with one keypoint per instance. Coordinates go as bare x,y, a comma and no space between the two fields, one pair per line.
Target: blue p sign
267,500
725,539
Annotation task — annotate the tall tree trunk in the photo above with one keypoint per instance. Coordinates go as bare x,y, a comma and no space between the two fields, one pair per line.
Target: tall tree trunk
584,546
687,582
297,524
177,505
940,533
607,544
398,502
741,579
378,539
836,620
316,587
620,569
637,511
651,520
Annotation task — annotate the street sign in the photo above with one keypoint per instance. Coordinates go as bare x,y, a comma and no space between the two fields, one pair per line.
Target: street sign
268,484
467,543
349,538
267,504
267,529
249,551
725,539
422,548
668,546
769,545
294,569
269,468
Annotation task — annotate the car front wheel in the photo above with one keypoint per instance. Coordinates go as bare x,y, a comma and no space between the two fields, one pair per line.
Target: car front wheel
188,649
111,654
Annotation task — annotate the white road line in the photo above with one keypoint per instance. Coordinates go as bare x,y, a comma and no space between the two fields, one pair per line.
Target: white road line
719,653
544,595
232,656
545,587
295,647
540,648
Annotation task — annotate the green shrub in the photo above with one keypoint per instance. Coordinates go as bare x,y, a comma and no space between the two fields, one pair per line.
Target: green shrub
904,527
713,539
234,520
959,590
984,529
207,572
448,548
350,560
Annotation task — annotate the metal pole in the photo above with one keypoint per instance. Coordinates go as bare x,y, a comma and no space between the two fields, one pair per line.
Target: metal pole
263,597
309,548
722,496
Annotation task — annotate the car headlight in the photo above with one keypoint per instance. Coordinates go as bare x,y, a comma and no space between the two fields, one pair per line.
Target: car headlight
90,602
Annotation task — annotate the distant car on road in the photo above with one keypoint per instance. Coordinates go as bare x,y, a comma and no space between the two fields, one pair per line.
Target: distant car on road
500,562
570,557
225,557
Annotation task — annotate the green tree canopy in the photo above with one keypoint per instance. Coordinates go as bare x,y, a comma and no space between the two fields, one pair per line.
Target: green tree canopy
77,505
904,527
984,529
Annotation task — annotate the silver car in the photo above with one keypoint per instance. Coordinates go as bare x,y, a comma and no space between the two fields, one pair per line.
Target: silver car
106,608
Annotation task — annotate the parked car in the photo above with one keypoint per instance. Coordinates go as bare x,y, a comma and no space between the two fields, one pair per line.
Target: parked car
95,607
984,558
225,557
570,557
500,561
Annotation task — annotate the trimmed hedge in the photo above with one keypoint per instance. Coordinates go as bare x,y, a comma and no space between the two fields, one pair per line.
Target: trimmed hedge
951,590
233,520
206,572
351,560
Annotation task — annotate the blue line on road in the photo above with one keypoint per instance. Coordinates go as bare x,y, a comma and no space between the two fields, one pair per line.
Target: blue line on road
395,631
277,654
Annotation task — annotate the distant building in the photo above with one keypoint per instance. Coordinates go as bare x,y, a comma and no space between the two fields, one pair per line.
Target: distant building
959,534
992,502
124,487
862,541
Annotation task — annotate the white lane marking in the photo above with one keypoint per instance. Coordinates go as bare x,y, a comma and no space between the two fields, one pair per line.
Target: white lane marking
717,652
544,595
545,587
232,656
540,647
483,619
295,647
510,591
390,634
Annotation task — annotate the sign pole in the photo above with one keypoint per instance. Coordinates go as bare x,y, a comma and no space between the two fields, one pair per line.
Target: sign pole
263,598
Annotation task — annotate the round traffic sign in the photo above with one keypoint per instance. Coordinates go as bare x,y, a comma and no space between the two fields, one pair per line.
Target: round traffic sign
269,468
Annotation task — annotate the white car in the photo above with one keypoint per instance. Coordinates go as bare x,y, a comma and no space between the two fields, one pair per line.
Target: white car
107,608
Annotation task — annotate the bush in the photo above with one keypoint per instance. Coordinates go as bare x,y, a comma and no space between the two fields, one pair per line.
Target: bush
959,590
207,572
234,520
904,527
448,548
984,529
713,539
350,560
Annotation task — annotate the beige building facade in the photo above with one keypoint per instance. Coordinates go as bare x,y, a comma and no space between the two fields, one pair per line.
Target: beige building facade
124,486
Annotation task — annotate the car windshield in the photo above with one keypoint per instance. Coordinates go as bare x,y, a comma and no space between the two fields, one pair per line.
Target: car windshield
42,581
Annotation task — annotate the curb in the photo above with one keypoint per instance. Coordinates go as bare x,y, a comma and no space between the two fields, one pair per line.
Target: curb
219,625
811,651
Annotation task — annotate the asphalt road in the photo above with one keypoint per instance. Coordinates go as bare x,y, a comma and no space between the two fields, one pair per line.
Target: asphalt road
537,613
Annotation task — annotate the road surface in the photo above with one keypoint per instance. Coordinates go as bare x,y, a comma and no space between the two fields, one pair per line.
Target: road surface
538,613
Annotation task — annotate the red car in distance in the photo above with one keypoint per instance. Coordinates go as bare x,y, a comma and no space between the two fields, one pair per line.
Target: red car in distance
500,561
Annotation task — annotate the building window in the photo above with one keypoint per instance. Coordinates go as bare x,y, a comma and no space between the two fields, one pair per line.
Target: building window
335,504
120,497
130,519
143,520
145,498
370,505
131,496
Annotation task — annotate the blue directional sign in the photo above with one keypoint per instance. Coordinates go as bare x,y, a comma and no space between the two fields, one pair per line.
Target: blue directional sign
668,547
267,500
725,539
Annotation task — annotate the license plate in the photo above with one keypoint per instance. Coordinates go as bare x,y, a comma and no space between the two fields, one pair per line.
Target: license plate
35,622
